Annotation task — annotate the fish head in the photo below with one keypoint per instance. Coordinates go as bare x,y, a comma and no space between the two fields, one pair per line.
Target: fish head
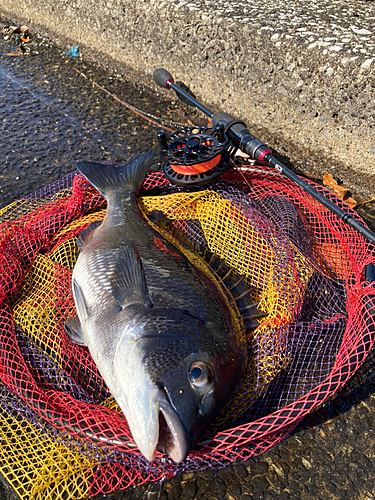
173,379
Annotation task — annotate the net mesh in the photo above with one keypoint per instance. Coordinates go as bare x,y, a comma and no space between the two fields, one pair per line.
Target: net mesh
307,270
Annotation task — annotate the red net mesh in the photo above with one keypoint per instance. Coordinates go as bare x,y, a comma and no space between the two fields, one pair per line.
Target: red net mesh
320,325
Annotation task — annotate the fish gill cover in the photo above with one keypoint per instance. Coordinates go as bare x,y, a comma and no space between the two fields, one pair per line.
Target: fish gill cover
63,435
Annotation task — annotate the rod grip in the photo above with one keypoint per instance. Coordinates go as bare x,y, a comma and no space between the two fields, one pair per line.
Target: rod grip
163,78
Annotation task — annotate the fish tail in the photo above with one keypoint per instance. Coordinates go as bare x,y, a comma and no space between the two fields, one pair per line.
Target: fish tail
106,178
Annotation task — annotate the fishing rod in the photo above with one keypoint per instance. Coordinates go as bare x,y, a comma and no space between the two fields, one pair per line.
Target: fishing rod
197,155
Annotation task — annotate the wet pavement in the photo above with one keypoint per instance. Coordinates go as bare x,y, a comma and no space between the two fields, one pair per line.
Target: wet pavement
51,118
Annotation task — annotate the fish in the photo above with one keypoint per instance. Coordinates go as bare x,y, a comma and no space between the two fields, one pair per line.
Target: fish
161,331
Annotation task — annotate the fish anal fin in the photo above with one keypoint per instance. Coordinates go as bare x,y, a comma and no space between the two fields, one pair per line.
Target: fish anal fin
73,328
129,282
86,233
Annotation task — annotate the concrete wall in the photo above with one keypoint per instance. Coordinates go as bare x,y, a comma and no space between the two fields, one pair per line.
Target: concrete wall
285,93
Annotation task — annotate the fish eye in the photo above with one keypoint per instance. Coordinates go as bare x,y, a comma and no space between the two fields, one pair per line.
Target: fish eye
200,374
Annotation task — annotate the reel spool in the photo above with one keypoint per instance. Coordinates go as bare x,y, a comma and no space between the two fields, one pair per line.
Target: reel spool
195,155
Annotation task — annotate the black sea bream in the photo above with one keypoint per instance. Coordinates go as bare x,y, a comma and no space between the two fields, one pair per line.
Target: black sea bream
159,330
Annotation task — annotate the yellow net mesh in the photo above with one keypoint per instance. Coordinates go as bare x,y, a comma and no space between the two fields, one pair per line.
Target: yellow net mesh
37,467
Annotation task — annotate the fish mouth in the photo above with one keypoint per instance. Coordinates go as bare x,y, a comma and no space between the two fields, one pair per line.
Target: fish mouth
153,421
172,435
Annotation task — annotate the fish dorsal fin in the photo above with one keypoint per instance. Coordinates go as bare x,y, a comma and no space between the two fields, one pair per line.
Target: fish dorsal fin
84,235
73,328
129,282
234,283
236,286
106,178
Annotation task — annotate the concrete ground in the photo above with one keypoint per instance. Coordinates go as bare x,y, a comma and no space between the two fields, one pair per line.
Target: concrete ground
51,118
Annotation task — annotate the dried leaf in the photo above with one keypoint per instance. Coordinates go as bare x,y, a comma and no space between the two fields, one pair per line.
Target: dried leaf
14,54
25,40
199,121
341,191
351,202
14,30
330,181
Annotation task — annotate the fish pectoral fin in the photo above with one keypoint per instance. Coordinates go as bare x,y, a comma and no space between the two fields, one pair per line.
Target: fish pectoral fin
130,279
80,301
73,328
83,236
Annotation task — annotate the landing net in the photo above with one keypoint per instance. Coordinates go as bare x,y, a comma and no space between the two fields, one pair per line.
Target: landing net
63,435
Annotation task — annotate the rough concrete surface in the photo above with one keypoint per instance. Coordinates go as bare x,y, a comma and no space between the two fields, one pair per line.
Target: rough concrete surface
302,72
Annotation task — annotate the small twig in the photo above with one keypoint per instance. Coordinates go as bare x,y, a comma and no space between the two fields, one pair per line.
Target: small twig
161,483
364,202
129,106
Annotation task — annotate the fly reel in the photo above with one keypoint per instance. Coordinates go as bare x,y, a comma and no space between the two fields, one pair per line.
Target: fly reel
195,155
